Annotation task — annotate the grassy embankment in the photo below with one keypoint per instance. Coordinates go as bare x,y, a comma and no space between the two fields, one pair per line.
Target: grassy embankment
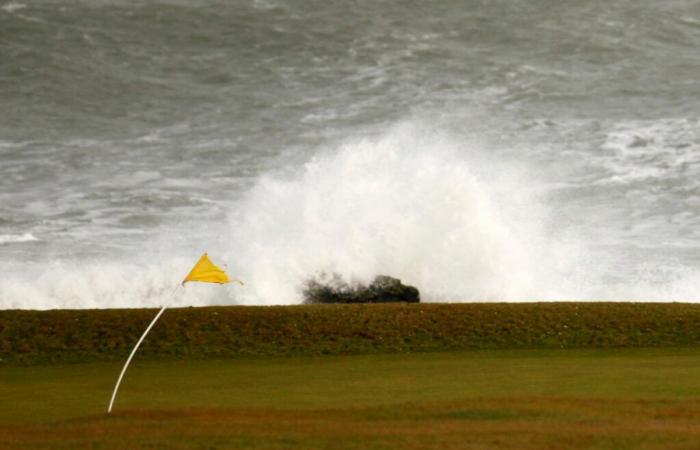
502,376
29,337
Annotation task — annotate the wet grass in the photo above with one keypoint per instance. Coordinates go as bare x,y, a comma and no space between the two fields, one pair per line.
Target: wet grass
489,399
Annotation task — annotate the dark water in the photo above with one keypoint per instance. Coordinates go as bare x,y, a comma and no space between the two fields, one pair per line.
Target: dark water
479,150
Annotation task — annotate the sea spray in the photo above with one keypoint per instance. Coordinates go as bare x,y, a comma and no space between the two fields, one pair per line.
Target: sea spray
99,284
415,202
409,204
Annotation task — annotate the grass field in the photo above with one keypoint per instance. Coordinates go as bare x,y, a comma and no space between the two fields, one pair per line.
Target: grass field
495,399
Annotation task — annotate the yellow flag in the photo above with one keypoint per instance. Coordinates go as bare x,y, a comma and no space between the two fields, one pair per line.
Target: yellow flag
207,272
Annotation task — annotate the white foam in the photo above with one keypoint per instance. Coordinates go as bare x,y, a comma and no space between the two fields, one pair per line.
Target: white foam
12,7
265,5
94,284
15,238
651,150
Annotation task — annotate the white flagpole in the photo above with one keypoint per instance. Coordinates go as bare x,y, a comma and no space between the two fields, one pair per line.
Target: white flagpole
136,347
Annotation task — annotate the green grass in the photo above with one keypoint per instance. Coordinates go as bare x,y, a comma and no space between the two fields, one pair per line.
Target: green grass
516,399
36,337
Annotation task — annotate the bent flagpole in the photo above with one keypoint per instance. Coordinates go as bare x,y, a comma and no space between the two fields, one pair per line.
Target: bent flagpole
204,271
136,347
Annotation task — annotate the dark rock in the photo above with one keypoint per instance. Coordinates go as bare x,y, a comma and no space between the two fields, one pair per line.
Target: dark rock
383,289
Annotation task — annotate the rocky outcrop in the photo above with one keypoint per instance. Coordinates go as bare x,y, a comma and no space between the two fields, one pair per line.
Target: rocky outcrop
383,289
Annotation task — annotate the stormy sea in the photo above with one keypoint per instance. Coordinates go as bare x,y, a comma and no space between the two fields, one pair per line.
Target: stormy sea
478,150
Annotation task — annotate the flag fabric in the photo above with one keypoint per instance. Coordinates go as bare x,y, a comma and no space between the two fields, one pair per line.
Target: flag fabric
206,272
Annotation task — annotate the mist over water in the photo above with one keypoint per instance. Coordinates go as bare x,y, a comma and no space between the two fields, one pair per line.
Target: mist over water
480,151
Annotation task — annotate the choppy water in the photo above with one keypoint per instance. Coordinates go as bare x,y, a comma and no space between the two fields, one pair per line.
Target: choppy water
480,150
